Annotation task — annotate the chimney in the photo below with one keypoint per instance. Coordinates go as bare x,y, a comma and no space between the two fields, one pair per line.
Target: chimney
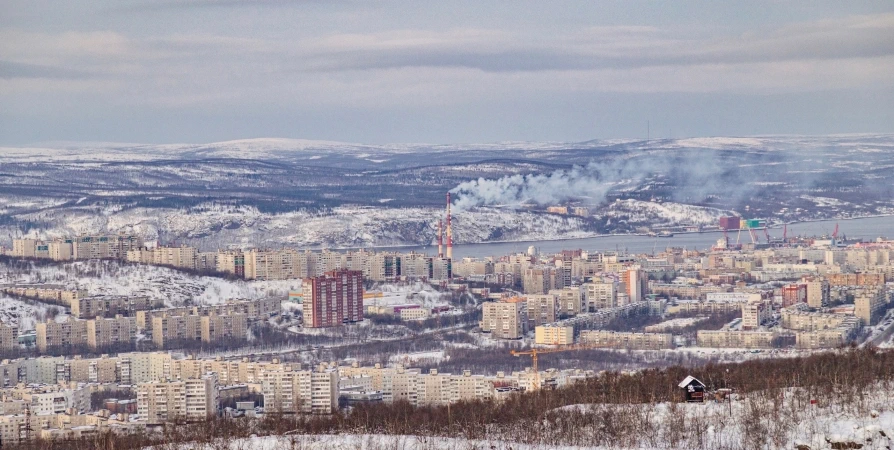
449,231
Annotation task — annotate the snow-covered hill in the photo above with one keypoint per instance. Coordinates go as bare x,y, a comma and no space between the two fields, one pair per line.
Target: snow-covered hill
168,286
276,148
218,226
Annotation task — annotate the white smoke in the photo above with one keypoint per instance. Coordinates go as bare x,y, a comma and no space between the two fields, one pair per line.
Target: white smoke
692,176
590,183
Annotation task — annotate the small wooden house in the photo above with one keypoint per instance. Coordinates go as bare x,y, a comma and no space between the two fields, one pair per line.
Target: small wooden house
693,390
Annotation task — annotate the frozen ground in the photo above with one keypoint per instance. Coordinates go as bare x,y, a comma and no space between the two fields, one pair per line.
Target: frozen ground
761,420
20,313
172,287
415,293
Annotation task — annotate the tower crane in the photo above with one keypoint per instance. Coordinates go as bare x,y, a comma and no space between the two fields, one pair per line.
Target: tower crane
534,352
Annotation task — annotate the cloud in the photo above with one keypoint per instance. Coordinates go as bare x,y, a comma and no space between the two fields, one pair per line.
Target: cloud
223,57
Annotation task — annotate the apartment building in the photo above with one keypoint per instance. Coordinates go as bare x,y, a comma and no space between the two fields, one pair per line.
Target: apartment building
736,339
869,303
108,306
838,336
755,313
67,333
24,248
51,398
216,327
14,429
601,295
206,261
475,268
554,335
856,279
437,389
636,283
169,329
307,392
542,309
571,300
335,298
45,292
9,336
801,319
183,400
228,372
183,257
703,307
104,333
542,279
632,341
142,367
104,246
271,264
104,369
505,319
258,309
818,292
231,261
95,333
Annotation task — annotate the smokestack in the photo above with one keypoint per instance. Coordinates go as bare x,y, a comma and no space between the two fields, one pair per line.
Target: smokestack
440,240
449,231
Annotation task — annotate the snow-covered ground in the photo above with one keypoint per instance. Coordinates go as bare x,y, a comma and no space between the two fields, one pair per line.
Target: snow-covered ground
410,359
172,287
373,442
760,420
676,323
213,225
20,313
417,293
666,213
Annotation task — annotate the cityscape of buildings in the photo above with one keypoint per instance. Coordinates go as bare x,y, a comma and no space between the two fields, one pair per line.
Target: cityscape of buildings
798,294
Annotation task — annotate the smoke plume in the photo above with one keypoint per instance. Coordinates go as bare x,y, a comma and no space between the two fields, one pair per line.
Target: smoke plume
689,176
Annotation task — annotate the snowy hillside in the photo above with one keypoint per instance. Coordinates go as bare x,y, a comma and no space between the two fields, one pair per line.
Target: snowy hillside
667,213
277,148
274,192
212,226
171,287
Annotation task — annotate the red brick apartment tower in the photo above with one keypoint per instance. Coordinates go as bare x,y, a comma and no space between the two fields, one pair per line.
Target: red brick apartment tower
335,298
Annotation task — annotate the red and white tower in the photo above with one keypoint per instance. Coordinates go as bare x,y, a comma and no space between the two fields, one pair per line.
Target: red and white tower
449,231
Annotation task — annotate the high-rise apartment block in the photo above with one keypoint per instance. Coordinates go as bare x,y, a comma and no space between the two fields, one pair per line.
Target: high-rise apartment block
505,319
335,298
542,309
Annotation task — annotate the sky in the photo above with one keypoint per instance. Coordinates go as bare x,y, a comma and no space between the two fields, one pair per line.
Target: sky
194,71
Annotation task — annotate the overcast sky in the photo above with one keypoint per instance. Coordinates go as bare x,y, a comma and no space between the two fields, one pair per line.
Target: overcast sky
164,71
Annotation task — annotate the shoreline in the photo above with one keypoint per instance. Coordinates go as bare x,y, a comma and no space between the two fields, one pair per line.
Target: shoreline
596,236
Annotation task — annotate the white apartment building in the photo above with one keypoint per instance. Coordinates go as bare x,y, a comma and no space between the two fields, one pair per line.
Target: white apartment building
554,335
307,392
171,401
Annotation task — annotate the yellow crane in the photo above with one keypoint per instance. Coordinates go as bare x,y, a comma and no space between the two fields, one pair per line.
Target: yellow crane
534,352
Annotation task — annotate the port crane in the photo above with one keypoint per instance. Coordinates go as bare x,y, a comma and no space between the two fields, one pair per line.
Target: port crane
534,352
